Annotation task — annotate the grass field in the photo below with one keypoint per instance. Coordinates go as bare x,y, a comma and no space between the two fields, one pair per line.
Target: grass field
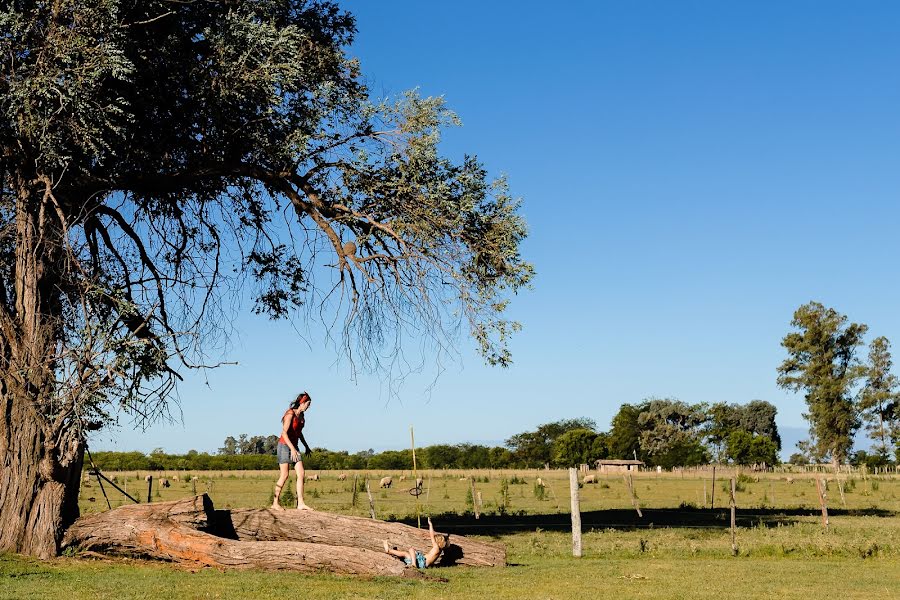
678,549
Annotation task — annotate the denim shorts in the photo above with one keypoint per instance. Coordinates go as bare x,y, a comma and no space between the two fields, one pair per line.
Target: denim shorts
284,455
420,560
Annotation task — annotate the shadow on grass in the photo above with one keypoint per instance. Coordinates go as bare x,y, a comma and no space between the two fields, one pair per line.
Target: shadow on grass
719,518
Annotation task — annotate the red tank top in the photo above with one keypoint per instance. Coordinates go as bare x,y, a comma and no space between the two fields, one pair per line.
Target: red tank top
294,428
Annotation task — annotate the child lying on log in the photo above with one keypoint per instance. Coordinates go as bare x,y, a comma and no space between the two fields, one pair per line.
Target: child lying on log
415,558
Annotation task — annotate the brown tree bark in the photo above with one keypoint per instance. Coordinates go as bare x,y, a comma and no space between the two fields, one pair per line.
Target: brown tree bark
329,528
191,531
168,531
41,455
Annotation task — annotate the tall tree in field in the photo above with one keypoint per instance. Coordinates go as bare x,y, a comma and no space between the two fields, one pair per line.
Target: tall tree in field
535,448
671,433
879,399
159,155
624,438
822,363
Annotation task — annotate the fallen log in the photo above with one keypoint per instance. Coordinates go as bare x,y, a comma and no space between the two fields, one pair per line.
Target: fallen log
165,531
191,530
328,528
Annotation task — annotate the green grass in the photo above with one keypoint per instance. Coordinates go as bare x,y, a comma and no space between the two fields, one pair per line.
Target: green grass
676,551
444,492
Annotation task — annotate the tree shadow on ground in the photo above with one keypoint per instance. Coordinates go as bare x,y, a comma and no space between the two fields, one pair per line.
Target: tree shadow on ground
719,518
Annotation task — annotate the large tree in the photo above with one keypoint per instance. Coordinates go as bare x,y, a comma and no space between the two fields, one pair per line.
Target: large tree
822,363
879,399
671,433
157,155
535,448
624,439
757,418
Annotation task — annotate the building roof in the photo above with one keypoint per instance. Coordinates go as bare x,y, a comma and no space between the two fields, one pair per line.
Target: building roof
619,462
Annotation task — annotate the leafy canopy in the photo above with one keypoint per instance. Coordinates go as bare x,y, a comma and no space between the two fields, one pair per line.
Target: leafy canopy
167,153
822,363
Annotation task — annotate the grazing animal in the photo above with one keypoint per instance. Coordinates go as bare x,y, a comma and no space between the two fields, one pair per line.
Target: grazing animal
342,477
790,480
386,482
590,479
403,478
313,477
148,477
195,478
174,477
165,483
463,478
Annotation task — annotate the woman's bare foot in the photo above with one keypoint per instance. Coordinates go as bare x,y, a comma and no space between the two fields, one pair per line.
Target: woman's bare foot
304,507
276,506
387,547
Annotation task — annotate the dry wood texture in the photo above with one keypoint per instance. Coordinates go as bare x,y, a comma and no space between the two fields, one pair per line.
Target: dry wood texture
190,530
328,528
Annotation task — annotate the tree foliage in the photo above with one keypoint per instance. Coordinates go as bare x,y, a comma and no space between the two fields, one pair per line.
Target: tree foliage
756,418
879,399
158,157
671,433
822,363
745,448
625,432
535,448
575,447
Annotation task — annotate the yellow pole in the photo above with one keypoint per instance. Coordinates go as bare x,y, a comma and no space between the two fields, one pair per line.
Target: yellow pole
412,439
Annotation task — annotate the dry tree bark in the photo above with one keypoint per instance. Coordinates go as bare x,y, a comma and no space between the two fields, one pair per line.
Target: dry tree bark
191,531
329,528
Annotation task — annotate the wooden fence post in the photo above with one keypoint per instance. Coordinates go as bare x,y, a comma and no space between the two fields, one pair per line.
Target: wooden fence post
576,513
712,504
474,498
821,491
840,484
734,548
630,485
355,489
149,488
371,500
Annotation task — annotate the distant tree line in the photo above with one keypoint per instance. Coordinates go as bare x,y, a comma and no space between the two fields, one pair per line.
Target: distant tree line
661,432
842,392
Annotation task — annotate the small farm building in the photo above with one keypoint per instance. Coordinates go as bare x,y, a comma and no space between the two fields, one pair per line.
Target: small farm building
618,466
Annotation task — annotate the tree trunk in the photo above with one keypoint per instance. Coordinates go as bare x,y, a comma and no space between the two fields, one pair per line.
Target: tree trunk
39,481
190,531
329,528
41,454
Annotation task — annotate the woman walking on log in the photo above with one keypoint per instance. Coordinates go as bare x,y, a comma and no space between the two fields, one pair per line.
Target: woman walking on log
292,423
416,558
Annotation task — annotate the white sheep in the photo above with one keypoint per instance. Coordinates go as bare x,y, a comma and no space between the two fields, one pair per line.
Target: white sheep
590,479
148,477
386,482
313,477
342,477
164,482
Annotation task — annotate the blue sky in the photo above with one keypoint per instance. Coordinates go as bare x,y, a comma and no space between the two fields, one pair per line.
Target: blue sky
691,172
